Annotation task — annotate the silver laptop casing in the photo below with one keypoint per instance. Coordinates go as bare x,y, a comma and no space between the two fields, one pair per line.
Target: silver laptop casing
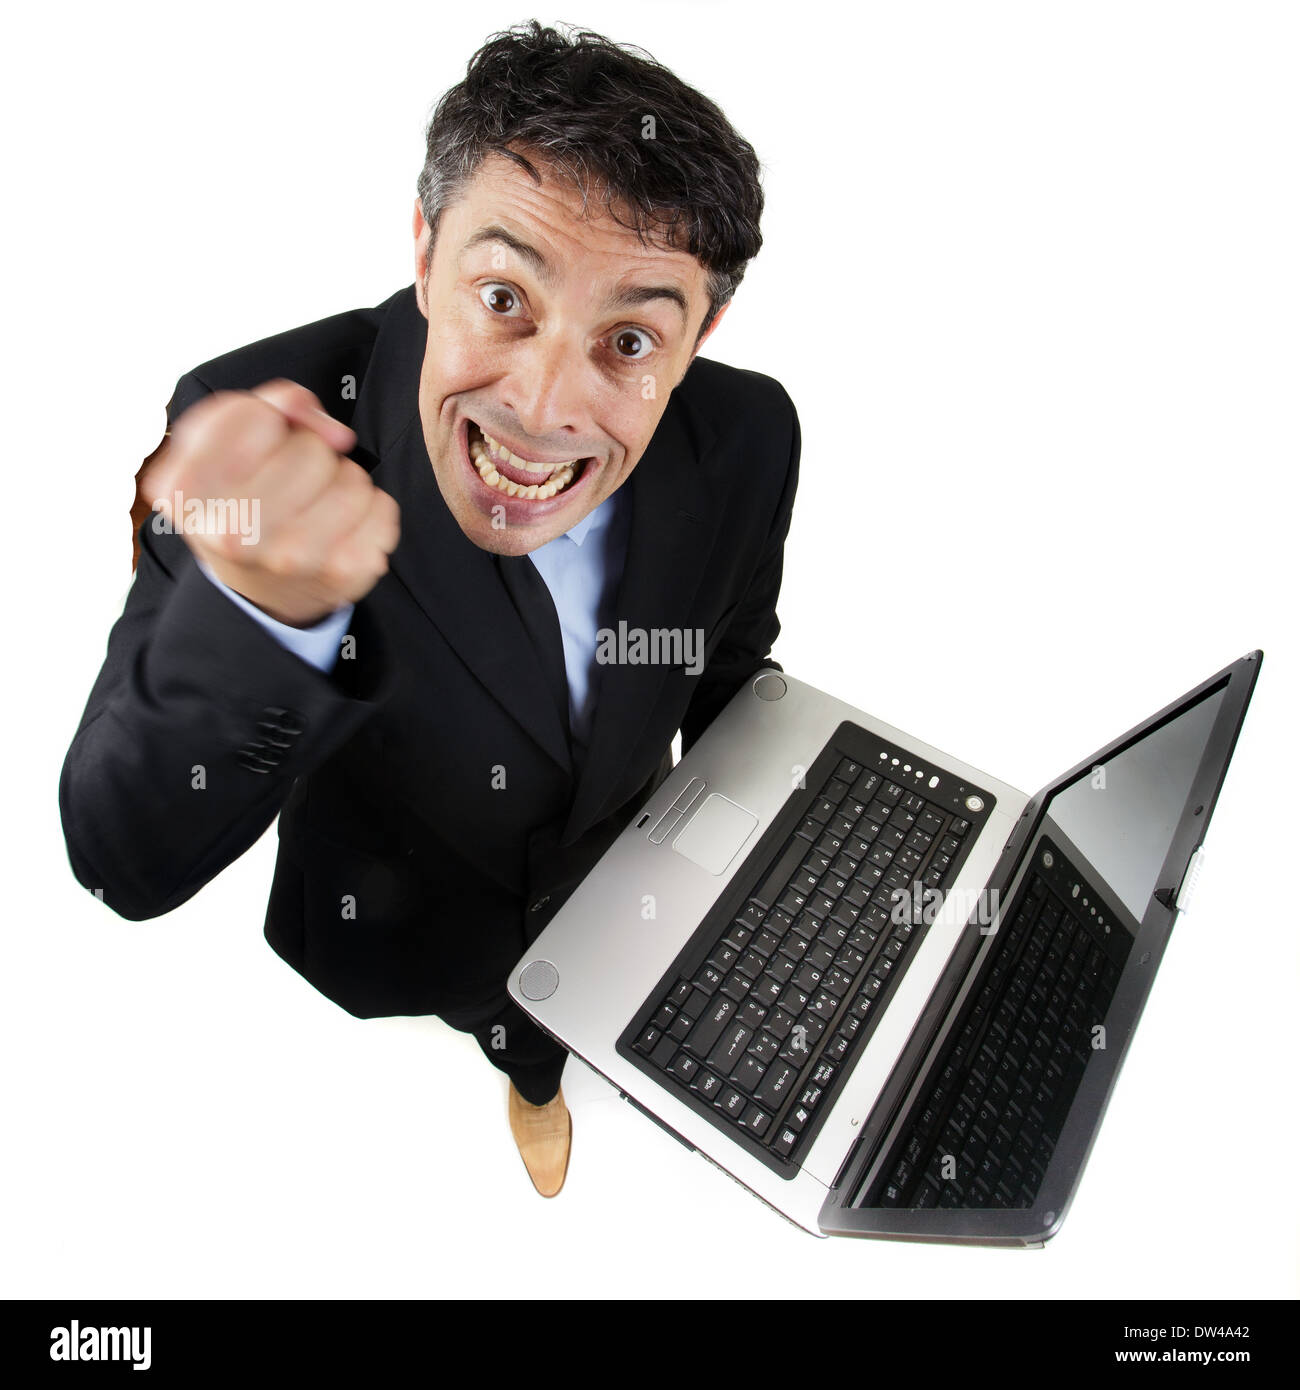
621,929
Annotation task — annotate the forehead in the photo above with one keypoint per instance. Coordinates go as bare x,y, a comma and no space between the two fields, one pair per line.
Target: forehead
580,241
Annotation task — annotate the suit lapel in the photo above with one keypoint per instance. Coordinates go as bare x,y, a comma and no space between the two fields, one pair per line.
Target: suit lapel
457,585
673,521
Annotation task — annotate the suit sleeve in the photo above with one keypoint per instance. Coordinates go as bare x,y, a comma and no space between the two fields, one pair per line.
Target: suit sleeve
196,729
318,645
746,645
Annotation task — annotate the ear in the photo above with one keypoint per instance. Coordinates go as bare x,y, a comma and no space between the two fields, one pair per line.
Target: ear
721,314
420,229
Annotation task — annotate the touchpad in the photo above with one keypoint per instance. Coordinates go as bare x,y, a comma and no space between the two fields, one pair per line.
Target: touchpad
715,834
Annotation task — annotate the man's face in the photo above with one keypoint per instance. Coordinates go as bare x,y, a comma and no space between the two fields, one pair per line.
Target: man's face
557,338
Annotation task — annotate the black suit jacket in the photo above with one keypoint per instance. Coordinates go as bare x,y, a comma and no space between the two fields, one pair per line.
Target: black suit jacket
406,883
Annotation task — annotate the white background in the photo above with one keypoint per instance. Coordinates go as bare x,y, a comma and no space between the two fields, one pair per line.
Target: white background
1030,276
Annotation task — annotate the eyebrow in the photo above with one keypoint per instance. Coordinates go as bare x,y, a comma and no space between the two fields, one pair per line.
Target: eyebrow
628,297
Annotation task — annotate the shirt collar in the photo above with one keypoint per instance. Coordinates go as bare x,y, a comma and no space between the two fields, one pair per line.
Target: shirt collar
599,518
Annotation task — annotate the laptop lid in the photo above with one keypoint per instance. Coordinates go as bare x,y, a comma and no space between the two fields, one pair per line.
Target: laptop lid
1116,841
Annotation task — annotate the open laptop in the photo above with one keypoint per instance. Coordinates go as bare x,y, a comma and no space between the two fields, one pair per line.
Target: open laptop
883,990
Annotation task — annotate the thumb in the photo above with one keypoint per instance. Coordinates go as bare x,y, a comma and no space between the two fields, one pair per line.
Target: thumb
155,485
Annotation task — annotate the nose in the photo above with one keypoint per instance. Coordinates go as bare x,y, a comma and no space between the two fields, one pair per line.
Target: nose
546,389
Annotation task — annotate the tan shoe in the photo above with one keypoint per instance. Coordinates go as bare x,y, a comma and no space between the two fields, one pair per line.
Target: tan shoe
543,1133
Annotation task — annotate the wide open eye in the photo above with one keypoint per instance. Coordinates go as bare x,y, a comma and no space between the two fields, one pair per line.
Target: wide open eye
632,344
501,299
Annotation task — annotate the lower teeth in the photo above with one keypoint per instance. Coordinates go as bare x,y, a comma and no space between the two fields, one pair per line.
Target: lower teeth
487,470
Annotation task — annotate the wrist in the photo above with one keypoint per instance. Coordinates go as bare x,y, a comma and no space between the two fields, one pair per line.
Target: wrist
301,613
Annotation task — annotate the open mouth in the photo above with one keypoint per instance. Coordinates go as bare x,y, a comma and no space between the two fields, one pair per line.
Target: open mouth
528,479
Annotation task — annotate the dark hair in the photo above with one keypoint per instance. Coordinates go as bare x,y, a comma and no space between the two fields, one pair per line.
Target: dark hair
584,106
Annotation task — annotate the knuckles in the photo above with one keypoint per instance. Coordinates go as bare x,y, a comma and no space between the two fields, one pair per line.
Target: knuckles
226,435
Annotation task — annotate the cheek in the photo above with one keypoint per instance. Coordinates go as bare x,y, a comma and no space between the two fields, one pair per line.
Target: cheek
464,354
635,424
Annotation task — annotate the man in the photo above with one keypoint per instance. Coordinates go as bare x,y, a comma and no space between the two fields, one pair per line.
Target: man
447,504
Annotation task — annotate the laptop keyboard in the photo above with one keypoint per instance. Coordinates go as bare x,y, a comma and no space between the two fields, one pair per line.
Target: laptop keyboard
984,1135
791,985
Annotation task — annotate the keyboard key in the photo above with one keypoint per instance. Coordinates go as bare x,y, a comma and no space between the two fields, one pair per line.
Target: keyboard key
708,980
794,1000
752,1013
764,1047
738,937
766,991
708,1029
809,1097
729,1048
837,1048
756,1120
765,943
838,982
926,1195
696,1004
775,1085
708,1085
751,964
820,956
684,1067
805,928
782,967
779,1024
778,923
806,979
784,1142
824,1005
823,809
748,1073
865,786
732,1102
736,987
820,906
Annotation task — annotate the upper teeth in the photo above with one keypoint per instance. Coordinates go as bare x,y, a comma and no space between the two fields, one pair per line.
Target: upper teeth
557,476
499,451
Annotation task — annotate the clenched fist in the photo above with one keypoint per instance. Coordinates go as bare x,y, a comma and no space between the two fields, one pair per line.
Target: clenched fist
322,532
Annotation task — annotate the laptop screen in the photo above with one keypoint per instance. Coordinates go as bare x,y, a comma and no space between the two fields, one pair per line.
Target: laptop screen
1123,813
990,1120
